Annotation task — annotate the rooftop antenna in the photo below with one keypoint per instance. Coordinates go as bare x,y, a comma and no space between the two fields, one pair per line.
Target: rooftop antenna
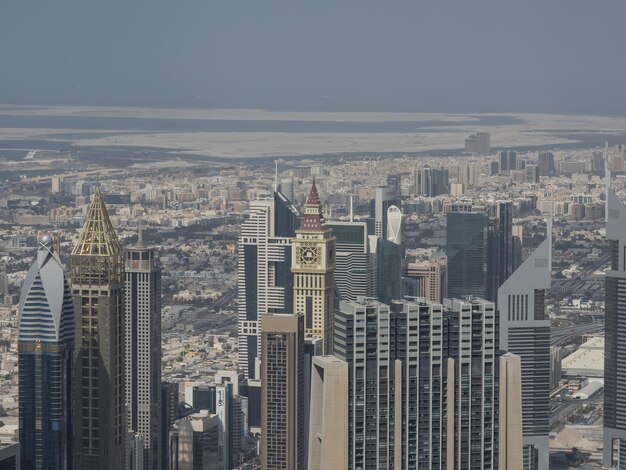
607,175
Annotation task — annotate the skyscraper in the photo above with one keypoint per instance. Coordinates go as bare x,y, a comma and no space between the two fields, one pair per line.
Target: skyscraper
466,248
473,352
355,273
264,280
525,331
372,371
45,340
282,392
313,255
328,433
508,161
510,409
615,328
384,197
98,363
431,182
500,247
143,349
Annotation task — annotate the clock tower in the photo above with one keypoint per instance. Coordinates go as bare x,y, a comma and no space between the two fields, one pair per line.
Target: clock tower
313,267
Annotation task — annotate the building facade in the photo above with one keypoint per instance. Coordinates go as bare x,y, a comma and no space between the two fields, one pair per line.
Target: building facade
427,279
45,342
313,255
328,422
264,278
355,274
98,361
143,349
466,248
282,392
615,329
525,332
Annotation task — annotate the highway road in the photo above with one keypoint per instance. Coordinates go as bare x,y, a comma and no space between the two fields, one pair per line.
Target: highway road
561,336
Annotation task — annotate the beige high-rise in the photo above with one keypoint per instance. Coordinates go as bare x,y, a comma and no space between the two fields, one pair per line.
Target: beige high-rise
510,412
282,392
313,267
328,424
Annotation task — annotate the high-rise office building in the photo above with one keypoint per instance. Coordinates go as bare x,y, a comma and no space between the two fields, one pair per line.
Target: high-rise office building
10,456
615,328
508,161
466,249
384,197
169,414
45,341
478,144
546,163
372,371
525,331
423,390
500,247
355,274
98,364
313,255
264,280
197,442
510,410
431,182
328,428
282,391
419,343
473,348
427,279
143,349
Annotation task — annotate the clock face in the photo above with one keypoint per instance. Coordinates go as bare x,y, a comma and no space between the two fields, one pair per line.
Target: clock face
309,255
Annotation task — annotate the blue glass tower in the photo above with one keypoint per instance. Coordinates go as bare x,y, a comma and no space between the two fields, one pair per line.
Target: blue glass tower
46,330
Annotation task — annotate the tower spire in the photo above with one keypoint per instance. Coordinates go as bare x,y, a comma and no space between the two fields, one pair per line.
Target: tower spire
97,237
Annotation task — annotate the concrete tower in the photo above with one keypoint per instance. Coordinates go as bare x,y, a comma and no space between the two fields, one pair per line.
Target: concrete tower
615,329
525,331
282,392
264,279
143,349
313,266
98,365
45,339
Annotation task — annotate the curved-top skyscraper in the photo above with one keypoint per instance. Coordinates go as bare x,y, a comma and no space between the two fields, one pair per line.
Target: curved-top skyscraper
46,330
98,371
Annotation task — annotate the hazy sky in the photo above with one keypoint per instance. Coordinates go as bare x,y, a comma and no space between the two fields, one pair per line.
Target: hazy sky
384,55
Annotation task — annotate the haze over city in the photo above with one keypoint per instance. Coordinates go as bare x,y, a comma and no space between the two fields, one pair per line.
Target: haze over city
325,235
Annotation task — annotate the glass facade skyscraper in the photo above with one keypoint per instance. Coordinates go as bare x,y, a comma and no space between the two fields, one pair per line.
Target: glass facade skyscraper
44,349
466,247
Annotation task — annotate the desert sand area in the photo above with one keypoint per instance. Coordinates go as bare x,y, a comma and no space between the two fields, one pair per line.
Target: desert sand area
432,132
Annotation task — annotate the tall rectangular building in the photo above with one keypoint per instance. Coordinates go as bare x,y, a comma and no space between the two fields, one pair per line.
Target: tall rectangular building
431,182
143,349
364,339
615,329
466,248
500,256
98,363
473,362
510,409
282,392
525,332
328,429
354,264
45,342
264,278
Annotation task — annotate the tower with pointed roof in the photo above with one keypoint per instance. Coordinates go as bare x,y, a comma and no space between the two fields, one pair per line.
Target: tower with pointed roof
45,340
313,266
98,362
